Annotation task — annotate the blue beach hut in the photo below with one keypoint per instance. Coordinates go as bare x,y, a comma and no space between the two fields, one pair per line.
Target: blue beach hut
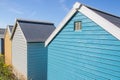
85,46
29,55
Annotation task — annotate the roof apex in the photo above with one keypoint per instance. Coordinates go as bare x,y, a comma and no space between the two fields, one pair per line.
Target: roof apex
77,5
89,12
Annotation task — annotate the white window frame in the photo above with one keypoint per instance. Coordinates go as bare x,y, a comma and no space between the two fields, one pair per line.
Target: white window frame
77,25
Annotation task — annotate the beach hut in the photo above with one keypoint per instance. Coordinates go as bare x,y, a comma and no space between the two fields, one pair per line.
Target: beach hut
85,46
8,45
29,54
2,40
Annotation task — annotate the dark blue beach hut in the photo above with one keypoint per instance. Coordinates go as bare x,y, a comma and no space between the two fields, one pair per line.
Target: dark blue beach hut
2,40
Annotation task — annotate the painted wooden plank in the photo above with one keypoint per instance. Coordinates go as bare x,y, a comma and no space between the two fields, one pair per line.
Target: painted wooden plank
37,61
19,52
91,53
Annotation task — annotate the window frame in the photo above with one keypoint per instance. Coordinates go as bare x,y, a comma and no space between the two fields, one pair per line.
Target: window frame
76,28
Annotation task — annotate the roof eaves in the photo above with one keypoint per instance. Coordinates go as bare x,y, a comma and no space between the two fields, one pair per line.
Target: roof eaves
105,24
13,30
101,21
103,12
34,21
2,30
7,29
75,8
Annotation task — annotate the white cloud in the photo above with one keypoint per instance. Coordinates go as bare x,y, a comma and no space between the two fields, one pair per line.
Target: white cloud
61,1
63,5
32,14
16,11
10,7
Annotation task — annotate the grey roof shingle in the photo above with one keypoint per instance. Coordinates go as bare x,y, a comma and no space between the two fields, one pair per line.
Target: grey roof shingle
36,31
10,27
112,18
2,31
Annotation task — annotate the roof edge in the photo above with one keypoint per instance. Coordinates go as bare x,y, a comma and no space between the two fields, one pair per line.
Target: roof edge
75,8
103,12
13,30
105,24
34,21
77,5
7,29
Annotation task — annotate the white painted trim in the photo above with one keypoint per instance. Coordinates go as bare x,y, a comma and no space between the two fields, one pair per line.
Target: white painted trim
14,29
9,30
5,33
77,5
22,33
105,24
61,25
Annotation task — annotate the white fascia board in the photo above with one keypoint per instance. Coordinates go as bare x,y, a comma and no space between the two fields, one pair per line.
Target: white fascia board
8,28
75,8
22,32
105,24
61,25
13,30
77,5
5,32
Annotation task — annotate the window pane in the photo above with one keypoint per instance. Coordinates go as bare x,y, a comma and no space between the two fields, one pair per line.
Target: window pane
77,25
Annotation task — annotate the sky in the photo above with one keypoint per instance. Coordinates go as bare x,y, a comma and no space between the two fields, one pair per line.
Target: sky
48,10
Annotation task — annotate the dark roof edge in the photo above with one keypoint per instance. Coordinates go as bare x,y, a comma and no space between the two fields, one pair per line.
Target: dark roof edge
34,21
103,12
2,28
10,25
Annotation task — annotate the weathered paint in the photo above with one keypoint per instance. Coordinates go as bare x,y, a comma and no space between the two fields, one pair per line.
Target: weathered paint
19,52
89,54
8,48
37,61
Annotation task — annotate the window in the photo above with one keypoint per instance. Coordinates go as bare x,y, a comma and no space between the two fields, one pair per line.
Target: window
77,26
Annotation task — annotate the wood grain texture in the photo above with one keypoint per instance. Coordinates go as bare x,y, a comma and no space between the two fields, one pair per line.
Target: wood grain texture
8,48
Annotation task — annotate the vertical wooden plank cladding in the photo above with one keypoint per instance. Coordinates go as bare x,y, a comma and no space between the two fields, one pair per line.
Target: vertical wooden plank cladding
19,52
89,54
37,61
8,46
1,46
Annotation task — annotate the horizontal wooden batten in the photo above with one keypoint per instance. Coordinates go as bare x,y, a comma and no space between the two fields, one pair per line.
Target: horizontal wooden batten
92,53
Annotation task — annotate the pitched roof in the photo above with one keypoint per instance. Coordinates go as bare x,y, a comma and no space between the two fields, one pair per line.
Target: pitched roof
2,32
112,18
107,21
35,31
10,28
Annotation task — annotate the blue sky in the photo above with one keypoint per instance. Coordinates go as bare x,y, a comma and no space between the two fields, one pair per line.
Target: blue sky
48,10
